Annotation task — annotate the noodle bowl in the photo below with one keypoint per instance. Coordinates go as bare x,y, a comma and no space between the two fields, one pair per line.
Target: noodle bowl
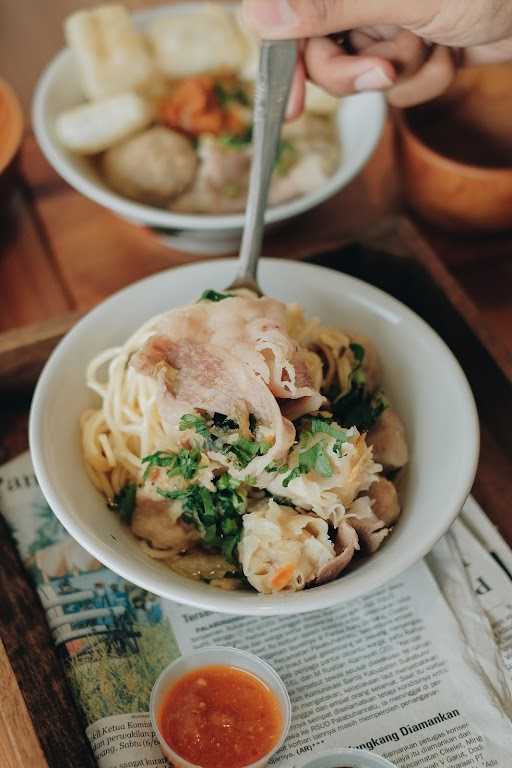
420,376
245,445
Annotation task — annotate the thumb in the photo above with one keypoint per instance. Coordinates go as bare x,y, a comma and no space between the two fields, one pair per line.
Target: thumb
275,19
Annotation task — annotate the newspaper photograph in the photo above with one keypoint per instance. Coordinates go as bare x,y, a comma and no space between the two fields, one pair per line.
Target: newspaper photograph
417,671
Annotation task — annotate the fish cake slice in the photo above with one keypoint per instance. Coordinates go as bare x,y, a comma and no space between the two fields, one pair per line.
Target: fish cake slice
96,126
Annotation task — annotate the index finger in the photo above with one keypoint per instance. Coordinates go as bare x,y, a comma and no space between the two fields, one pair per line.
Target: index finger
276,19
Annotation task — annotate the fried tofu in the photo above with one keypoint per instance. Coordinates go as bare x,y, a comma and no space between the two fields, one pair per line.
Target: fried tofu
208,40
94,127
112,55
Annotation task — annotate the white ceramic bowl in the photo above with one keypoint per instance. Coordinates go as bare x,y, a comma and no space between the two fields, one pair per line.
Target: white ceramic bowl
349,758
421,376
231,657
361,120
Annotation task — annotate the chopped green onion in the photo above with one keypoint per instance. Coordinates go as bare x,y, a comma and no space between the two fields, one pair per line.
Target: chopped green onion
313,459
216,514
246,450
359,352
191,421
185,462
124,502
211,295
237,140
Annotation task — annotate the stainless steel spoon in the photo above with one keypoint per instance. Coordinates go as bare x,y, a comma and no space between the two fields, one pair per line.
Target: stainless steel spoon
276,68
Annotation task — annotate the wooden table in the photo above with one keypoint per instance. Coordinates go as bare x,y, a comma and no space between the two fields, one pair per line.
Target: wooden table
60,254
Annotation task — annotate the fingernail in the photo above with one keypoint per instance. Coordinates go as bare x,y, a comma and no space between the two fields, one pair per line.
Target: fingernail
269,15
374,79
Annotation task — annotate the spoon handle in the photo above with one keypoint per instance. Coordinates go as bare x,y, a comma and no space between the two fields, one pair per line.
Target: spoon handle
276,68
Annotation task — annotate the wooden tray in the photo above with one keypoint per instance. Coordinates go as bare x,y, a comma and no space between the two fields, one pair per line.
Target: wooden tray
61,254
24,350
392,257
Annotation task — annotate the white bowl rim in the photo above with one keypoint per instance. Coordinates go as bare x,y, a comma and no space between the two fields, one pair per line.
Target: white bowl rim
236,654
160,218
249,603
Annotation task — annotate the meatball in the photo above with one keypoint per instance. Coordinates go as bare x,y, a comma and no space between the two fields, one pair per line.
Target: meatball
387,437
151,521
152,167
385,501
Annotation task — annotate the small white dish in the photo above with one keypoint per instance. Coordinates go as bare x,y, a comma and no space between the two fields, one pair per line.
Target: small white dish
218,655
349,758
421,377
361,121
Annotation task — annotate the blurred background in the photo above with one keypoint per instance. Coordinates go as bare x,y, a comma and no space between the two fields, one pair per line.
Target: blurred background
31,33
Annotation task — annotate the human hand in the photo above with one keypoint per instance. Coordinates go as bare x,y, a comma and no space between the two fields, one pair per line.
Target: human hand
408,49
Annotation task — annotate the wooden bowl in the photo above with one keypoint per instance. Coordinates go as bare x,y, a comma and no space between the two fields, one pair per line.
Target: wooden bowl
11,128
456,153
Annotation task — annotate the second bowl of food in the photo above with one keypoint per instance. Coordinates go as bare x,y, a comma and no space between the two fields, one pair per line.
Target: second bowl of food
150,116
254,456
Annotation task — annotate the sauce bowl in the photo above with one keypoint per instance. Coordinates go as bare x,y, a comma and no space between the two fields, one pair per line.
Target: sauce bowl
223,656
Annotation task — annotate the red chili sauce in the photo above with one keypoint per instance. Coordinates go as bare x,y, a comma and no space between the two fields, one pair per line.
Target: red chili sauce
220,717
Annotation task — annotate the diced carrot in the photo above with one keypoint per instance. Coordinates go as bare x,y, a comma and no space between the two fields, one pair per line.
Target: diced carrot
233,122
281,577
193,107
208,122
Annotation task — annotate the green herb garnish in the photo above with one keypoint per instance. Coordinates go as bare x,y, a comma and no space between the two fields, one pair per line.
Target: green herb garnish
124,502
211,295
237,140
312,459
246,450
191,421
279,468
359,409
224,95
217,515
226,482
358,351
185,462
158,459
333,430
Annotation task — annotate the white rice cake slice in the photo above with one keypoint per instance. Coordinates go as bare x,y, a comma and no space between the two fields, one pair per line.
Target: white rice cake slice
112,55
190,44
94,127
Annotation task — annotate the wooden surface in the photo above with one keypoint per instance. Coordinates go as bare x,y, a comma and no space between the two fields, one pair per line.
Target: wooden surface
61,254
396,260
53,735
19,744
36,26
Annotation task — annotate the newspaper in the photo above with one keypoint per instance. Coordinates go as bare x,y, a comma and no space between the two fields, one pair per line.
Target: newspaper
418,671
